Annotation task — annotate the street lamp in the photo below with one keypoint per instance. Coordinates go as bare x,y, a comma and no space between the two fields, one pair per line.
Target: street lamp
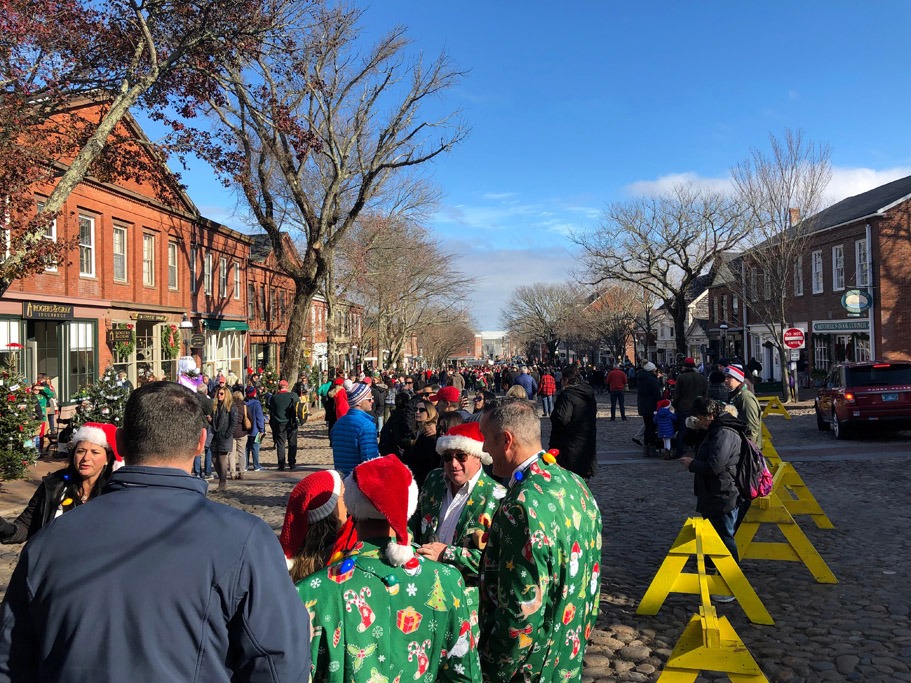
724,339
185,327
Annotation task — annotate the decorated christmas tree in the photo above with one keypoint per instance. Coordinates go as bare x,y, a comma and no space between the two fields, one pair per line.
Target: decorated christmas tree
104,401
268,384
19,425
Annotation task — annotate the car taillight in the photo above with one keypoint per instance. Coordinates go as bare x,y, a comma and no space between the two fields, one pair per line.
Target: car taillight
882,365
849,397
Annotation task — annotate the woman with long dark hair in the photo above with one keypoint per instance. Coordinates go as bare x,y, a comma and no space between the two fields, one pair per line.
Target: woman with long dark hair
92,458
422,457
224,423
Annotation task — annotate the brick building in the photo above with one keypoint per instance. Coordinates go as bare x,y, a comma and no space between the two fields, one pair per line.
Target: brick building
150,280
859,251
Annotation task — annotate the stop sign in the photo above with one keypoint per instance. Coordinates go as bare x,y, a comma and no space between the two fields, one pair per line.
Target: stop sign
793,338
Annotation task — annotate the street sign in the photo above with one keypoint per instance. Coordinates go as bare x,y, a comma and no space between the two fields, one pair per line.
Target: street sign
197,341
793,338
795,354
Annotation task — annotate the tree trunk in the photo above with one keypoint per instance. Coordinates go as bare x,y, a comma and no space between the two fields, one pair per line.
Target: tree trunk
680,327
292,349
785,372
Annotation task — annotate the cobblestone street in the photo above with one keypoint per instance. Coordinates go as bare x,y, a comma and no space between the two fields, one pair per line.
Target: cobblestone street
856,630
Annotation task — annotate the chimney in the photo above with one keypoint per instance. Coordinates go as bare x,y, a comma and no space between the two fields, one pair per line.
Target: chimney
795,216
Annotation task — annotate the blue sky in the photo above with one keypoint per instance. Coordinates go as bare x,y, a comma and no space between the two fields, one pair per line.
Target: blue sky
578,104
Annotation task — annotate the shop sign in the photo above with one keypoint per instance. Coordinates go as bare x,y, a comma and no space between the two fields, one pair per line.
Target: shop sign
830,326
149,317
121,335
198,341
43,311
856,301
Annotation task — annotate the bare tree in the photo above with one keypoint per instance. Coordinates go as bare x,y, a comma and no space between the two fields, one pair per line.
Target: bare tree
610,318
318,131
405,280
442,341
119,53
778,187
663,244
542,313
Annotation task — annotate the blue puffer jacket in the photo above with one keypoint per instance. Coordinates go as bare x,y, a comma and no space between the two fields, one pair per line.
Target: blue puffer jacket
353,441
153,582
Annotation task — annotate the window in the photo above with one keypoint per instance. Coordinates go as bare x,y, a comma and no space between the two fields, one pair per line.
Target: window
148,260
766,285
735,304
251,302
81,348
50,233
838,267
207,275
724,307
86,246
172,265
120,253
237,281
820,348
817,272
9,335
715,309
754,288
798,276
223,278
262,301
862,263
193,253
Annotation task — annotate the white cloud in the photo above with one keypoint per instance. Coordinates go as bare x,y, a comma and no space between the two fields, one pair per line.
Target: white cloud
666,183
500,195
848,182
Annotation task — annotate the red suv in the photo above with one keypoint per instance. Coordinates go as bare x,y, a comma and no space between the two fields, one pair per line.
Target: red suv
874,394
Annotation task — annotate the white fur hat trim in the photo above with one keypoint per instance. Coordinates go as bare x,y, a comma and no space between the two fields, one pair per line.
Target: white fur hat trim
464,444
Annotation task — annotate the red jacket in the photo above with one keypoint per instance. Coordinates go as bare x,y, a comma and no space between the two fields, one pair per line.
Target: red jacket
547,386
616,380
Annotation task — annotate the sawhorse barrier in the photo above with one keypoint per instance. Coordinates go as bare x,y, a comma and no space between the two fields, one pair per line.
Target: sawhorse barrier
794,494
709,642
773,405
799,548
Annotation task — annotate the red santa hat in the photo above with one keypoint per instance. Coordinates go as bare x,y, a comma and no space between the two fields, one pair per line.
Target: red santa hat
664,404
100,434
384,488
313,499
467,438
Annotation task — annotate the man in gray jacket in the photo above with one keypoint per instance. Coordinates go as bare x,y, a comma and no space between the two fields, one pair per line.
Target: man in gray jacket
152,581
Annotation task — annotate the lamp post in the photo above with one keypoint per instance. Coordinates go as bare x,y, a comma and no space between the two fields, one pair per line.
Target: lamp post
185,328
724,339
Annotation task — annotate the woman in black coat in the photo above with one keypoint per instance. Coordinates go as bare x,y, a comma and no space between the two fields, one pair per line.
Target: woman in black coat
714,466
573,422
224,423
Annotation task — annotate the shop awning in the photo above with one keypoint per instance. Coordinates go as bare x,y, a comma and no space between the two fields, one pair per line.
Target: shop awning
221,325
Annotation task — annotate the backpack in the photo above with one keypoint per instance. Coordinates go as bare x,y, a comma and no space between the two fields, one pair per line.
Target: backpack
752,476
303,411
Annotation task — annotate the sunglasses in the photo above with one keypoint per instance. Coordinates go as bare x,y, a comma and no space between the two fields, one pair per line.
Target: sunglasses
420,410
478,398
409,382
461,457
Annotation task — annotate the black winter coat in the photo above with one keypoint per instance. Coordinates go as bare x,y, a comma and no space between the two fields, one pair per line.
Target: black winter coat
714,466
648,392
223,426
41,508
573,429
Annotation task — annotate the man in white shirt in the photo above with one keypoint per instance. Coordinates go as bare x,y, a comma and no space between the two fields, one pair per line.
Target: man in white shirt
457,503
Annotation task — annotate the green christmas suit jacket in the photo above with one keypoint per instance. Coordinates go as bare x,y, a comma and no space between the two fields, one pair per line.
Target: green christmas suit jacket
540,578
378,624
474,522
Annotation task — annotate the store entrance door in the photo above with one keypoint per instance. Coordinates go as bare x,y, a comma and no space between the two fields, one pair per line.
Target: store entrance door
42,350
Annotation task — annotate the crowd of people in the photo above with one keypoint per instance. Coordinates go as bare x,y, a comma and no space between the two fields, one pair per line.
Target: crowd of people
445,544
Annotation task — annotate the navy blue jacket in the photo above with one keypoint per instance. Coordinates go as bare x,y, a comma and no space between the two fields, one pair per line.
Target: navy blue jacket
354,440
528,383
153,582
255,411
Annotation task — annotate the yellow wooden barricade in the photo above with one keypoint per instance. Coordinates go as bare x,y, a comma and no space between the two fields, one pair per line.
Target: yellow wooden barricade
798,548
698,537
773,405
708,643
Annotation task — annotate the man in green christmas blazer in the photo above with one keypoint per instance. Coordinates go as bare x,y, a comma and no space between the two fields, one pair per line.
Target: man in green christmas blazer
457,503
383,614
540,574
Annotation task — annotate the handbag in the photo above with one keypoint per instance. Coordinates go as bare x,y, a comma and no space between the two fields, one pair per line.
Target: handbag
248,423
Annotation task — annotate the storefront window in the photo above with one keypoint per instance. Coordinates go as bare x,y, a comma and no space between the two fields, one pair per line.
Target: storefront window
821,352
81,355
10,342
224,351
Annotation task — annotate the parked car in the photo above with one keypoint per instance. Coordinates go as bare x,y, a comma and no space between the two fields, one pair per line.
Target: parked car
872,394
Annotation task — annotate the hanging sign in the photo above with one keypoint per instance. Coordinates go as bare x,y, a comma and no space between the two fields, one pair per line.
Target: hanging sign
856,301
38,310
149,317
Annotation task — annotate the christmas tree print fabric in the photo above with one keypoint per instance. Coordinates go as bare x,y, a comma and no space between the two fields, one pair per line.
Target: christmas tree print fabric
375,623
540,578
474,522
